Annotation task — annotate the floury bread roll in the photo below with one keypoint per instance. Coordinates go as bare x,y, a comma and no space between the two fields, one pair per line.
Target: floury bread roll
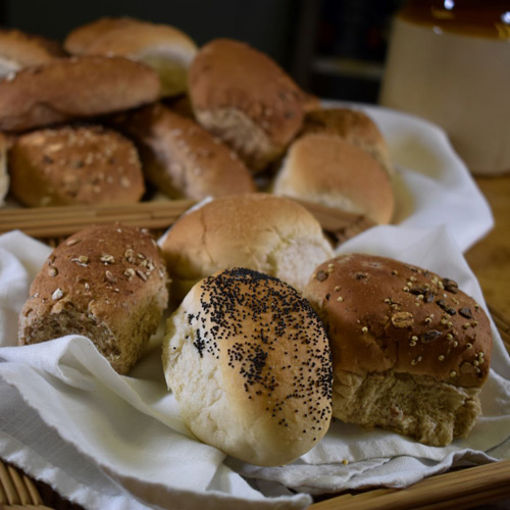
108,283
354,126
245,98
75,165
181,158
74,88
263,232
325,169
19,49
410,350
166,49
249,363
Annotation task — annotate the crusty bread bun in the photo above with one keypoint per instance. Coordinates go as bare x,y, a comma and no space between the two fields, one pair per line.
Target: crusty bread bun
354,126
266,233
166,49
410,349
181,158
249,363
19,49
4,176
71,88
108,283
327,170
245,98
75,165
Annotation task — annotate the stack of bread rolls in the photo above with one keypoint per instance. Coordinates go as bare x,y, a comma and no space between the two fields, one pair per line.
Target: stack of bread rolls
221,119
268,334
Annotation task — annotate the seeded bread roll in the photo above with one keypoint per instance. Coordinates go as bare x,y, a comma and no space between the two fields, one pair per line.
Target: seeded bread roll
181,158
108,283
354,126
410,349
166,49
266,233
325,169
75,165
4,176
249,363
19,49
74,88
242,96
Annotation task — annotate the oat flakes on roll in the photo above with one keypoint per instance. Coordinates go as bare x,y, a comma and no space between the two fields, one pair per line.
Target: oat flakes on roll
74,88
181,158
263,232
249,363
411,351
165,48
73,165
245,98
108,283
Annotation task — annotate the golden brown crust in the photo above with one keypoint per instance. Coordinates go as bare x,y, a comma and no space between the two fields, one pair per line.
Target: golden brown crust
325,169
77,87
262,232
111,280
75,165
19,49
272,367
385,315
182,159
354,126
166,49
231,82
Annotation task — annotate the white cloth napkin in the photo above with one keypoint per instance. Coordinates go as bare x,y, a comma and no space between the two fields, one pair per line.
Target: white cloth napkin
110,441
433,186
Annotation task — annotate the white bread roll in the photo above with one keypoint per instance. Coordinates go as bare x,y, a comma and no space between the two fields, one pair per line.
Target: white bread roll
411,351
166,49
266,233
249,363
325,169
108,283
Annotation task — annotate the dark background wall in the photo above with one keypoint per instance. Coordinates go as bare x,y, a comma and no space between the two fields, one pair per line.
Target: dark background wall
333,48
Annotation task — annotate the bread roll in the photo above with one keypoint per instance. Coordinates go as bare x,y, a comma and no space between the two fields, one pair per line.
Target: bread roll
354,126
181,158
266,233
108,283
19,49
246,99
410,349
74,88
166,49
75,165
325,169
4,176
249,363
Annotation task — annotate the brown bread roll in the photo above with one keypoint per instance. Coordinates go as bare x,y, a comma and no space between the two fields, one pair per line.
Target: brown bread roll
19,49
354,126
325,169
108,283
181,158
249,363
245,98
75,165
411,351
166,49
74,88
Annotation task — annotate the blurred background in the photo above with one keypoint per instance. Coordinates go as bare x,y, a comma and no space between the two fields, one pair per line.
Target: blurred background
333,48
